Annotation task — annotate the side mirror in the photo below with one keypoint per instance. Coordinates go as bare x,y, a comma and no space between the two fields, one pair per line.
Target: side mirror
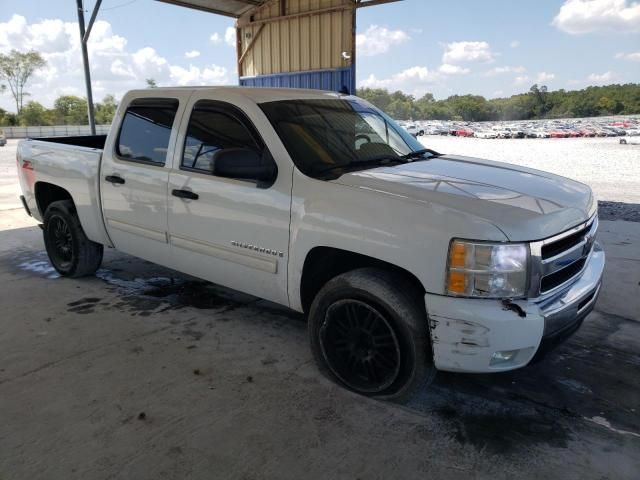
245,163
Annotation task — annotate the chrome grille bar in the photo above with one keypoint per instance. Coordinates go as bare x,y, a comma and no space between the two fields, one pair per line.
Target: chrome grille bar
575,251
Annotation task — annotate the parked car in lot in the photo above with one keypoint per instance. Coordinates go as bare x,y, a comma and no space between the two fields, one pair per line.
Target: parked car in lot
631,140
405,260
463,132
414,129
3,139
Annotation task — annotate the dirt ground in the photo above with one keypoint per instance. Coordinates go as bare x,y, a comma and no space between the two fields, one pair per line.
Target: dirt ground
145,373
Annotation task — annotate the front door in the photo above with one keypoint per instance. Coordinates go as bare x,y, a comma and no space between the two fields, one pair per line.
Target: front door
134,177
230,231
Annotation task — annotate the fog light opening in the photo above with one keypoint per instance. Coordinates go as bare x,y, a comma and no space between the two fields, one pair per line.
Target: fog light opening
503,357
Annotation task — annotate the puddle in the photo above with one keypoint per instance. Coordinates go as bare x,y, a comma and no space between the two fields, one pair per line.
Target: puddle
36,263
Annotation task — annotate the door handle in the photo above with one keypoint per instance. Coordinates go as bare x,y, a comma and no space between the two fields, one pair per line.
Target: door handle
115,179
185,194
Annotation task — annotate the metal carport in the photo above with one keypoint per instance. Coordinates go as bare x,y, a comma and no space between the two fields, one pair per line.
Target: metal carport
279,43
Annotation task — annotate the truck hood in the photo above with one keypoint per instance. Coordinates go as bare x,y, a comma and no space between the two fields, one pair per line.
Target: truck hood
524,203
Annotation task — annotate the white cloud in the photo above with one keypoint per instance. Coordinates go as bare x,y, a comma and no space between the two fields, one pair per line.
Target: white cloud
377,40
230,36
632,57
114,69
460,52
214,75
192,54
413,80
498,94
521,80
514,44
448,69
601,77
545,77
216,39
587,16
503,70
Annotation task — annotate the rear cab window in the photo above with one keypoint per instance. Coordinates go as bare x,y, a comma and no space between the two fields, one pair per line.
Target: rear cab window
146,129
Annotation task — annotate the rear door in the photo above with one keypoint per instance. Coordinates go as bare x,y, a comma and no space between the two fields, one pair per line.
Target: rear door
135,172
232,232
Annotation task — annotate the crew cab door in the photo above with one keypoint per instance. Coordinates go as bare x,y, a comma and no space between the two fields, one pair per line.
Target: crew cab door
135,172
231,231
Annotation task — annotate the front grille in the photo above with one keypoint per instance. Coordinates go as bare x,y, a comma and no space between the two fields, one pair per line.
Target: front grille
555,279
563,257
552,249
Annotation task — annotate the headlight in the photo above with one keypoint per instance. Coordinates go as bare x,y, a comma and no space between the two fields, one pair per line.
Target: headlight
487,270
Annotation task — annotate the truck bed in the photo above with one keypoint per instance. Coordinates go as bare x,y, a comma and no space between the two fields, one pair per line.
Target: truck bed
71,163
89,141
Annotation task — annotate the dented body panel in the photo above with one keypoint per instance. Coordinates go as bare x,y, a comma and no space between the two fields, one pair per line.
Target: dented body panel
466,333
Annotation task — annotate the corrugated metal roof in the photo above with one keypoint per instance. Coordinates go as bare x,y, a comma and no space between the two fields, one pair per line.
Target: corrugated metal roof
230,8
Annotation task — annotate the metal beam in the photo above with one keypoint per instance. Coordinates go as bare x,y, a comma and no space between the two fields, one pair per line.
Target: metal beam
94,14
372,3
217,11
245,22
250,46
85,61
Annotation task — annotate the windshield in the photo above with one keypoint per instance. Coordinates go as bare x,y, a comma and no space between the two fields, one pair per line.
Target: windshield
328,137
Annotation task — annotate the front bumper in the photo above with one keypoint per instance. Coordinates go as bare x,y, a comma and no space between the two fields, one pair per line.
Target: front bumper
467,333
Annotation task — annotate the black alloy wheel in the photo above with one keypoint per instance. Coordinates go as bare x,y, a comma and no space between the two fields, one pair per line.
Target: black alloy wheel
61,241
360,346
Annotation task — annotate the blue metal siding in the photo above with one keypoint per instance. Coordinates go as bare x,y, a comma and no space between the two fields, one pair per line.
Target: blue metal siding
333,80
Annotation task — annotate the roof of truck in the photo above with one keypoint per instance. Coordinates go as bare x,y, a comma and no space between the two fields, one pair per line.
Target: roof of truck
258,95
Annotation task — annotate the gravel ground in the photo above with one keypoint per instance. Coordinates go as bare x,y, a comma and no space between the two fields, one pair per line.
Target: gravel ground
610,169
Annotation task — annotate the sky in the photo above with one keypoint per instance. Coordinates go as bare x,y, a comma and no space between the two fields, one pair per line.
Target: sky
493,48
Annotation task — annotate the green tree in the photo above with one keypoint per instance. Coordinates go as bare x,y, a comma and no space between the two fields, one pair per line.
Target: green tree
106,109
70,110
151,83
33,113
16,68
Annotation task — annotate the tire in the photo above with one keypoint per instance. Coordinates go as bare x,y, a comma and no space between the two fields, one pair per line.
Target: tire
345,315
71,253
623,141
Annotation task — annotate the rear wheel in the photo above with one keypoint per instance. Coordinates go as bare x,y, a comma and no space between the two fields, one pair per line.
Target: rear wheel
368,332
71,253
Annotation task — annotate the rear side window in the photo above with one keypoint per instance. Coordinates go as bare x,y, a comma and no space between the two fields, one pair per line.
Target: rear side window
214,126
146,129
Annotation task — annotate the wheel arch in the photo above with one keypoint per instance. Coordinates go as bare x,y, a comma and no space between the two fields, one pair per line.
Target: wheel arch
47,193
323,263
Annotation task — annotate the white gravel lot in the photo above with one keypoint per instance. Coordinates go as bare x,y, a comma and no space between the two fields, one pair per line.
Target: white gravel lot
612,170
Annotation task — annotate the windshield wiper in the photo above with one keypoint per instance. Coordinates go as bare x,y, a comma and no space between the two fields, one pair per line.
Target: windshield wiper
372,162
420,153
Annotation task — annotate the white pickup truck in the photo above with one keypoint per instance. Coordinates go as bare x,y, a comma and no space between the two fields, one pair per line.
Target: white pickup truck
406,261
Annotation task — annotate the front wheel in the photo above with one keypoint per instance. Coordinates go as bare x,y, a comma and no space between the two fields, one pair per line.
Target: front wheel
71,253
368,332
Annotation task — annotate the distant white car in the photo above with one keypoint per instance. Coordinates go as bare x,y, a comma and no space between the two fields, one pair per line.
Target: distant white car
633,140
414,129
485,134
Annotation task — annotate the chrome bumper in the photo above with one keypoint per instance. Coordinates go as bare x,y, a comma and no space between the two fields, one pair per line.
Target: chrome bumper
564,312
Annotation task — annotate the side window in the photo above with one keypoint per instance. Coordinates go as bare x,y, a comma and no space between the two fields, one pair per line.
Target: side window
212,128
146,129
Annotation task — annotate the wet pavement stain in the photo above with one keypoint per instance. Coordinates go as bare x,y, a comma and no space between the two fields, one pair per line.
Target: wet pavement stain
83,306
192,293
507,432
